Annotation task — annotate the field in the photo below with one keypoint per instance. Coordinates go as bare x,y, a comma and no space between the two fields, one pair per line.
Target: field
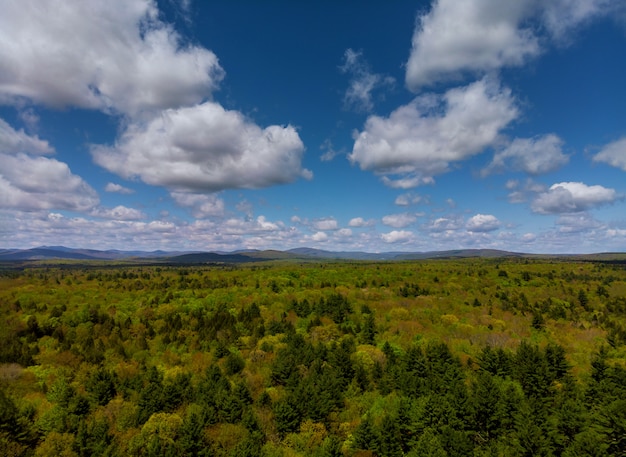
465,357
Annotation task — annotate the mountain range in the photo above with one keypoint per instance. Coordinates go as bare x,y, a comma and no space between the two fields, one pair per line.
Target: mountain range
195,257
243,256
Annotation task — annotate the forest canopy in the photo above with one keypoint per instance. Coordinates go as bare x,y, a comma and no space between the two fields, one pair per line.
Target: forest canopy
472,357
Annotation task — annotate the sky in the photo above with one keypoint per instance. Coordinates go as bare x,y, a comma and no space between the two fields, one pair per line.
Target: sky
188,125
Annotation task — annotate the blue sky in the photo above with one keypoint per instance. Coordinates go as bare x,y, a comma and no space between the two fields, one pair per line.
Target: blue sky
372,126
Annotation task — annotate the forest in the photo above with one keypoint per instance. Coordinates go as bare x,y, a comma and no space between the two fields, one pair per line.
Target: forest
452,357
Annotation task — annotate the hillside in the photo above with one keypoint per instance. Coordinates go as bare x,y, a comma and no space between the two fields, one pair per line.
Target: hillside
243,256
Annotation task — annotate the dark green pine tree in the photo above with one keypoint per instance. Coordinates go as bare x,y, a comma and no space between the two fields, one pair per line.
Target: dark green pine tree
366,436
495,361
369,331
530,433
390,442
101,386
558,367
151,396
191,439
612,420
486,407
286,416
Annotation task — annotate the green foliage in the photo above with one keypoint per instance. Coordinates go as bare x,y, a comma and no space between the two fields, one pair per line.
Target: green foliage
440,358
101,386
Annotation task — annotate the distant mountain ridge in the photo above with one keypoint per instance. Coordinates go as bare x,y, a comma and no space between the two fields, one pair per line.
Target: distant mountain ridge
251,255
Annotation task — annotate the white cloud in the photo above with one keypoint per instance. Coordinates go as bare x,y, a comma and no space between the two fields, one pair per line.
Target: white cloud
616,233
399,220
613,154
472,35
330,152
202,205
344,233
445,224
408,182
30,182
15,141
116,188
531,155
421,139
40,183
482,223
325,224
237,226
408,199
120,213
358,96
561,16
520,193
319,237
573,197
579,222
478,36
360,222
397,236
29,118
113,56
205,148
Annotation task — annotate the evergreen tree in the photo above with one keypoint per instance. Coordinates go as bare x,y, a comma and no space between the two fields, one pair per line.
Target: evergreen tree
486,406
390,443
365,435
286,416
101,386
369,331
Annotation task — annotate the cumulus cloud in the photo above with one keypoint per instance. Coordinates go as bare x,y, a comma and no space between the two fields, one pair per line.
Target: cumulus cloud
397,236
482,223
399,220
578,222
36,183
477,36
117,188
444,224
344,233
360,222
473,35
202,205
573,197
120,213
613,154
421,139
325,224
408,199
319,237
363,82
521,192
30,182
115,56
534,156
205,148
15,141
